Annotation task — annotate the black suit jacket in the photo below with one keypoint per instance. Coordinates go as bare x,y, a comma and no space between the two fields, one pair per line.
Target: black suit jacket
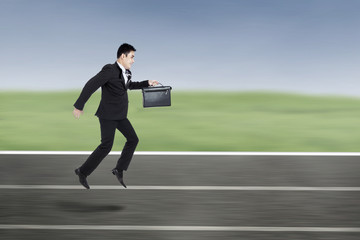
114,99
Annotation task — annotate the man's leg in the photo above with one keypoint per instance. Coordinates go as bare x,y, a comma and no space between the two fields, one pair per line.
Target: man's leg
107,128
125,127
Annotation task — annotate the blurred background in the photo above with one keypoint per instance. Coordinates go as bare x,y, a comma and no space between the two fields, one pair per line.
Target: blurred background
246,75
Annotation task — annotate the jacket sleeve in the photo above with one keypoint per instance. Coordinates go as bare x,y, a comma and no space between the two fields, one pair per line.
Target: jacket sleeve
138,85
92,85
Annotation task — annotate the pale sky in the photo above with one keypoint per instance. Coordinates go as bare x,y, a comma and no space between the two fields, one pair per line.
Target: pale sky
304,46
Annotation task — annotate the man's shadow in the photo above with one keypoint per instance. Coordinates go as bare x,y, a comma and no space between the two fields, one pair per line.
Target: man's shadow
81,207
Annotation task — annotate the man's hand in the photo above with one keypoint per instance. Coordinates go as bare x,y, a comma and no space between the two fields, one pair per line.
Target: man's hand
77,113
153,82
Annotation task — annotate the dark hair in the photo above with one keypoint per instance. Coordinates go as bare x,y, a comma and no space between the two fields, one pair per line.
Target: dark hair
125,49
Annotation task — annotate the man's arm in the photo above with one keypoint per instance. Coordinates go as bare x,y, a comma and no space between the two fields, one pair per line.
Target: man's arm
143,84
90,87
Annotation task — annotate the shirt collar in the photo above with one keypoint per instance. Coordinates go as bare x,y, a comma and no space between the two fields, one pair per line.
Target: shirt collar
121,66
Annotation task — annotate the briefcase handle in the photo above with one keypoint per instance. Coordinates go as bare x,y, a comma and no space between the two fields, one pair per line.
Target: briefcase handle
158,86
150,87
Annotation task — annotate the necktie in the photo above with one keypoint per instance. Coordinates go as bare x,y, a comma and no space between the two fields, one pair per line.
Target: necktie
128,75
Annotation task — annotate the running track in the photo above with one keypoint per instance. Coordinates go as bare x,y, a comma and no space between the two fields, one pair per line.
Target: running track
182,196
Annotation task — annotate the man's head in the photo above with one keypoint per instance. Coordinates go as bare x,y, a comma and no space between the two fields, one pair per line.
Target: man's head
125,55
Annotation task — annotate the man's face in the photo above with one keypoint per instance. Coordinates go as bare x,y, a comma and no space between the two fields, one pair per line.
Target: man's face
128,60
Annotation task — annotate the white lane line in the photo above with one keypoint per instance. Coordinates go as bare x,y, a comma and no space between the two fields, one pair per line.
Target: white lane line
185,188
179,228
150,153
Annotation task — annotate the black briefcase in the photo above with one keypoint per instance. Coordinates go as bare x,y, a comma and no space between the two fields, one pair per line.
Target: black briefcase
156,96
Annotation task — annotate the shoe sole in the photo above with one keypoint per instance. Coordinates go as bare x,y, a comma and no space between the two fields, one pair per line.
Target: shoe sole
77,172
121,181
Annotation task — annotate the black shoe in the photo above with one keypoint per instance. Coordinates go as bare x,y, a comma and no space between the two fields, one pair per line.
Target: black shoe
82,178
119,175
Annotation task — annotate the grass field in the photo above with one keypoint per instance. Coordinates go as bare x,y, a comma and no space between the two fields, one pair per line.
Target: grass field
196,121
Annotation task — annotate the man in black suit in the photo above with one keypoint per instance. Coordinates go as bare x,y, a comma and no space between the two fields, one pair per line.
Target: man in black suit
114,80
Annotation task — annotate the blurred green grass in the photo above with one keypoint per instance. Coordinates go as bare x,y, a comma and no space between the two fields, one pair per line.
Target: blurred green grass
196,121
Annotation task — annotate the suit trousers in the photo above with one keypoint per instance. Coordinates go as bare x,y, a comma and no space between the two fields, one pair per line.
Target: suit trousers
108,128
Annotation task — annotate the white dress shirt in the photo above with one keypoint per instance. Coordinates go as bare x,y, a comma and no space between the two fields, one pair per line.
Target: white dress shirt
123,72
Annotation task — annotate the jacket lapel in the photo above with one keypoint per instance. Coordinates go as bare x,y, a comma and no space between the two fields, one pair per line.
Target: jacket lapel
120,73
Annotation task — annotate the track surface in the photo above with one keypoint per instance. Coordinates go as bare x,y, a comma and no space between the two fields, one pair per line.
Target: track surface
64,210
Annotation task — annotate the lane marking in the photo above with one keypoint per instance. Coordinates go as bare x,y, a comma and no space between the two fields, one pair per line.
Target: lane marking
179,228
184,188
179,153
